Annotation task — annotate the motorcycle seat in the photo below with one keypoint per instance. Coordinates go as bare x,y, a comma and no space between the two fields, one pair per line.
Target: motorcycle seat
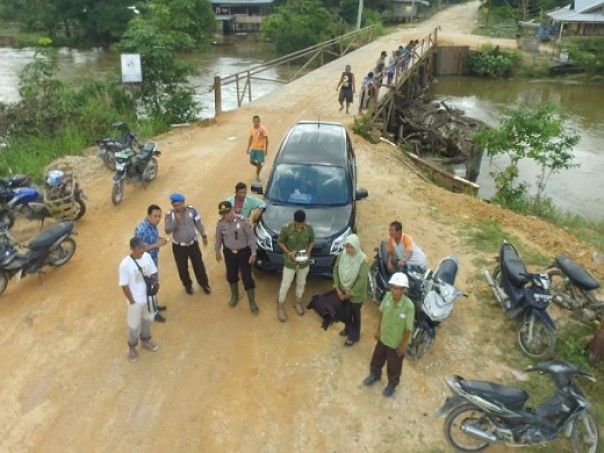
15,181
511,397
512,266
576,273
50,235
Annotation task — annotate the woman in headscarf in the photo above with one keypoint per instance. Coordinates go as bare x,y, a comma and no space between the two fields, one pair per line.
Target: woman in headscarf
350,281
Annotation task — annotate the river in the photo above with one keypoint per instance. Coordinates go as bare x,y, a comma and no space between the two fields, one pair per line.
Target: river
573,190
578,190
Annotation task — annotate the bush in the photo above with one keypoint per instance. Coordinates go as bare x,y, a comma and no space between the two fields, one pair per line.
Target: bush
494,62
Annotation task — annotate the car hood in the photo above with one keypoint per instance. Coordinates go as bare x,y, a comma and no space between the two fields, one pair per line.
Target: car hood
327,221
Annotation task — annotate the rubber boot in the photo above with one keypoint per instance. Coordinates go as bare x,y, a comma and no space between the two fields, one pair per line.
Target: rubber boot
234,294
299,308
281,315
250,298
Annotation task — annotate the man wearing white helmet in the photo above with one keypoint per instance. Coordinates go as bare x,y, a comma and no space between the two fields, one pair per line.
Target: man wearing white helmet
392,333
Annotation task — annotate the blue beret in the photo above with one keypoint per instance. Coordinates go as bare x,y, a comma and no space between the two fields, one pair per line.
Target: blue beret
177,197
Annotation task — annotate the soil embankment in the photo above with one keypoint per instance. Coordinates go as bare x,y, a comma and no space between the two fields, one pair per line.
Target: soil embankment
224,380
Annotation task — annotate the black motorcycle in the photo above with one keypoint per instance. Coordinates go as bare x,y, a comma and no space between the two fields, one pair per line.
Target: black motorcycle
482,413
432,293
52,247
108,147
133,166
573,288
524,297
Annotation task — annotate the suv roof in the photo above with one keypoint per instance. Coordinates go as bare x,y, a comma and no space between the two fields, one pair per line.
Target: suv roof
315,142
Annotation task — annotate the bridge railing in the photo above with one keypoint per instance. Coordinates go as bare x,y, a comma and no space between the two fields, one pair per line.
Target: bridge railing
337,47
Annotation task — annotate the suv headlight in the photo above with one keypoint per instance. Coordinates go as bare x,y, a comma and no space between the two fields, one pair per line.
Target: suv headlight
338,244
264,239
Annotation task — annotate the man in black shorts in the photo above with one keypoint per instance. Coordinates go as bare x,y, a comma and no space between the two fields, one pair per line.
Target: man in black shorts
345,88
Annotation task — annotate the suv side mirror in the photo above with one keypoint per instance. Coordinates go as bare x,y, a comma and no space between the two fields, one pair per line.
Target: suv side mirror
256,188
361,193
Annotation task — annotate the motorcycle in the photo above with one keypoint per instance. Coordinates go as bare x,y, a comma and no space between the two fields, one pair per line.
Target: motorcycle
132,166
573,288
20,196
108,147
535,330
432,293
481,413
52,247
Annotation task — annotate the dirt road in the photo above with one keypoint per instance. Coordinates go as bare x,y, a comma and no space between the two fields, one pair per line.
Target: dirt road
224,380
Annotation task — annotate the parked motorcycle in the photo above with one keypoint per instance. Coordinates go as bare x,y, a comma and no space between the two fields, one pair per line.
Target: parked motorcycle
18,198
432,293
132,166
525,297
573,288
481,413
52,247
108,147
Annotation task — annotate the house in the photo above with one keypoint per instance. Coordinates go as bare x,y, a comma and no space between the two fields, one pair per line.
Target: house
241,16
406,10
580,18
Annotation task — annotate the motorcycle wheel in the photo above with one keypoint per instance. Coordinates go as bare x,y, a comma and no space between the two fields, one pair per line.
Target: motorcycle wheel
117,193
585,437
462,441
80,208
62,253
109,159
7,220
3,281
419,345
151,170
541,342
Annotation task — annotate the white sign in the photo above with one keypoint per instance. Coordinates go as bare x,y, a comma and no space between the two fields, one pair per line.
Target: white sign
131,68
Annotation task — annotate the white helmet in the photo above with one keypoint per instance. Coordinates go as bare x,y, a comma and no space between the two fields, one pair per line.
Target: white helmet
54,178
399,279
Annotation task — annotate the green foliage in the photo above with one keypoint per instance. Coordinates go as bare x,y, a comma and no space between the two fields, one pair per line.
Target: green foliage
587,52
164,92
363,126
538,134
493,62
299,24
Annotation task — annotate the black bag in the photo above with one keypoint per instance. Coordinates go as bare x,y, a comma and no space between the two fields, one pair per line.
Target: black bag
151,283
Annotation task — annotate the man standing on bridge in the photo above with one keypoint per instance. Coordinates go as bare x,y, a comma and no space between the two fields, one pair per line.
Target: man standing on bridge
257,145
345,88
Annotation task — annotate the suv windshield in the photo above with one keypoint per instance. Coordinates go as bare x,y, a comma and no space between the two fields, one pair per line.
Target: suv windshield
309,185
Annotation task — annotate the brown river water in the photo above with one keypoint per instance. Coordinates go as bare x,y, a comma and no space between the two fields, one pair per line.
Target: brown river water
578,190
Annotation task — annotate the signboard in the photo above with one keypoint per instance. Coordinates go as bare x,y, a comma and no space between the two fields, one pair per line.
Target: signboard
131,68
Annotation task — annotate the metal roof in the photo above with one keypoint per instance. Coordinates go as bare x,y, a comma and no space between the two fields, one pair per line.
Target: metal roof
583,12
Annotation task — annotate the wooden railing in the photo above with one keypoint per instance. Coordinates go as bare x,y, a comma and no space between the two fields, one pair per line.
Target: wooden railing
337,47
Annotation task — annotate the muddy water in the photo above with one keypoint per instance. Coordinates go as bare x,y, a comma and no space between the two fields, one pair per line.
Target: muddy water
233,55
578,190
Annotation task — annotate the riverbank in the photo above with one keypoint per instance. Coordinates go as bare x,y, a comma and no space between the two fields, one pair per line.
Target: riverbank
224,380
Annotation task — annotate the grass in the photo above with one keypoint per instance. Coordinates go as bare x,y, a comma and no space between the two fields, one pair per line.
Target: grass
501,24
15,36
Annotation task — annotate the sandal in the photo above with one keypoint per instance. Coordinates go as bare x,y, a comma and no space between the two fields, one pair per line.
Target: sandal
150,346
349,343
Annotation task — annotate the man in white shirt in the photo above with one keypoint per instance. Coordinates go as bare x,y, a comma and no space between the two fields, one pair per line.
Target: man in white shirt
133,269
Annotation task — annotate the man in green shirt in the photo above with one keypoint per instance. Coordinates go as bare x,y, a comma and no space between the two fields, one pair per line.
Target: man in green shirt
393,333
297,236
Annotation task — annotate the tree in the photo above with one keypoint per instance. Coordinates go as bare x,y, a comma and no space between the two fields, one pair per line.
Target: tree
298,24
539,135
164,92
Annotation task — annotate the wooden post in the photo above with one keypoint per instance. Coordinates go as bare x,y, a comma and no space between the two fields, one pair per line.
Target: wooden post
217,96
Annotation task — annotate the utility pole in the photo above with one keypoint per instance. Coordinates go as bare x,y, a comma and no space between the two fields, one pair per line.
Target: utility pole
360,15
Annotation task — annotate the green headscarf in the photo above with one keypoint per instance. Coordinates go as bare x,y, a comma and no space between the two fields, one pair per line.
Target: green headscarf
348,269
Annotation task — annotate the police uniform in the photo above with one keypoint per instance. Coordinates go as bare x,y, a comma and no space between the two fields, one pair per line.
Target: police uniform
236,237
185,245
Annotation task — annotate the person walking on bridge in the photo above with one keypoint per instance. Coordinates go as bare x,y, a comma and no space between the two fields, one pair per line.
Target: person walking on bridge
346,88
257,145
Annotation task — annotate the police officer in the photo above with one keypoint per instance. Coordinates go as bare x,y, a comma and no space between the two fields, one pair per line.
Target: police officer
234,233
183,221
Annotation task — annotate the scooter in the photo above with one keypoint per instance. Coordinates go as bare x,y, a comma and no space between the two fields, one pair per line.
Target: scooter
524,297
481,413
52,247
132,166
434,305
432,293
573,288
18,198
108,147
